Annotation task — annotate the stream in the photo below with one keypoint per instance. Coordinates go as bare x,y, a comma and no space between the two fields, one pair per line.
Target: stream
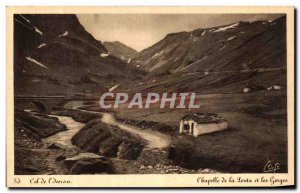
154,139
64,137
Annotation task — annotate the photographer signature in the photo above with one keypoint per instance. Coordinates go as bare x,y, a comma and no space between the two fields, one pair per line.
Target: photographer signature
271,167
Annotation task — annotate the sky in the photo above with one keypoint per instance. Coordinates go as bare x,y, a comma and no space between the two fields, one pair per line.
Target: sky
140,31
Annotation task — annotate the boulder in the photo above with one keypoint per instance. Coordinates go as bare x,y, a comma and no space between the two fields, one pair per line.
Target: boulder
142,167
56,146
206,171
29,169
60,158
92,166
73,160
89,163
109,147
129,150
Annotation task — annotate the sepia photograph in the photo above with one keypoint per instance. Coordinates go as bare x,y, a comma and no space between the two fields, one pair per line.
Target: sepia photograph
154,93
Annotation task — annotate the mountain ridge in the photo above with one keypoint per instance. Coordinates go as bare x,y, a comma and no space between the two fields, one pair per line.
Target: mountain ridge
223,59
54,54
178,50
120,50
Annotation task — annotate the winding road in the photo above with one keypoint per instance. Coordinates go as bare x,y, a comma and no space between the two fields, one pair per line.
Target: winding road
154,139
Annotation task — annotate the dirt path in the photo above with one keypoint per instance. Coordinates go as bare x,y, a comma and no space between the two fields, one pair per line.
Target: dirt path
154,139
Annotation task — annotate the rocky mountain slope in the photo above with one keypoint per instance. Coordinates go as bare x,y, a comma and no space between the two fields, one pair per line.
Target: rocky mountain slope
120,50
219,59
54,54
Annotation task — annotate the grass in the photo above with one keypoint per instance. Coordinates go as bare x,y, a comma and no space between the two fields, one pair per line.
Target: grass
161,127
257,134
246,147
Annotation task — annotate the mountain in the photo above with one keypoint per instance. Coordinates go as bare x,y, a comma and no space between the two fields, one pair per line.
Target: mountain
54,54
218,59
120,50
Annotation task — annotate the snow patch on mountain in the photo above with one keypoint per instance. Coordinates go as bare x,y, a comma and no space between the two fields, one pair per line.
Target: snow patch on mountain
25,18
225,28
203,33
36,62
231,38
29,26
113,88
42,45
158,54
64,34
37,30
222,48
103,55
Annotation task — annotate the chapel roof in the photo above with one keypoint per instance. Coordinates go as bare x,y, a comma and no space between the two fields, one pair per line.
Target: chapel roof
204,118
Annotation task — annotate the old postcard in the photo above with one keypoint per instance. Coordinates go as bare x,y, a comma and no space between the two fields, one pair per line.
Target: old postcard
150,96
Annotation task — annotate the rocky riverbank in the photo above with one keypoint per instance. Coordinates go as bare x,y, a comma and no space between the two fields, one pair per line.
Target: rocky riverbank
95,148
39,152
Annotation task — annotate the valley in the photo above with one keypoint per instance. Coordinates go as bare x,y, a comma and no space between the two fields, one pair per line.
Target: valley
237,71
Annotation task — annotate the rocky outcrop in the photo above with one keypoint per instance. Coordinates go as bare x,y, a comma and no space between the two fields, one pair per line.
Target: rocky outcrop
129,150
40,125
89,163
108,140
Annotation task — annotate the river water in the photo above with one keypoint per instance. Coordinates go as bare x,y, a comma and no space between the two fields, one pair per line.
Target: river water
64,137
154,139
